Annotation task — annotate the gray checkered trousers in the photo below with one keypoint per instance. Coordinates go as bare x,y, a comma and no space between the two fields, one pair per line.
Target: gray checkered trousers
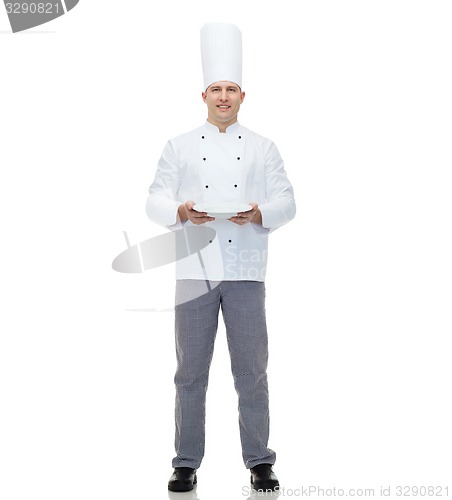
196,321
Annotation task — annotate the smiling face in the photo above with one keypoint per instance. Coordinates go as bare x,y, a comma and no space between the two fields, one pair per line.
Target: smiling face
223,101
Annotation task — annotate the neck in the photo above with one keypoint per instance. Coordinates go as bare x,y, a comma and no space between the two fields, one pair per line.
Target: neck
222,126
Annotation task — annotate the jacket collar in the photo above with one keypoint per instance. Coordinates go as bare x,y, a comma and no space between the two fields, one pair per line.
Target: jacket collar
231,129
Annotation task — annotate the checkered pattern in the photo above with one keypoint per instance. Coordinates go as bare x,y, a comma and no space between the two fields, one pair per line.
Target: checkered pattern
196,321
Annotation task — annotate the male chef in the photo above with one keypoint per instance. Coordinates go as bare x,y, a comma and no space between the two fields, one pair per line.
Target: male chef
220,163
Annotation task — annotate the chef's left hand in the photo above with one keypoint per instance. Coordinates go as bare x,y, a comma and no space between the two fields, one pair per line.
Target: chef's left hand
253,215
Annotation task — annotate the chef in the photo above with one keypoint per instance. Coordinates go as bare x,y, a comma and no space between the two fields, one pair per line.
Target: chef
200,172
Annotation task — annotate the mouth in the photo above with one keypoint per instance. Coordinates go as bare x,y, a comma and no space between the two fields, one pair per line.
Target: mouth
223,106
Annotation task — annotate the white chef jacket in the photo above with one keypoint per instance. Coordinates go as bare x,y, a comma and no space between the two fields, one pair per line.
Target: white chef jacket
238,166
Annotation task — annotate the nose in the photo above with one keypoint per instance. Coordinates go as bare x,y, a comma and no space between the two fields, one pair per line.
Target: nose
224,95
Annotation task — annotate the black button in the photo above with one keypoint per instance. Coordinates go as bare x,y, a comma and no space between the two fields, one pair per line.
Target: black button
207,186
230,241
210,241
235,185
238,157
240,136
204,159
202,137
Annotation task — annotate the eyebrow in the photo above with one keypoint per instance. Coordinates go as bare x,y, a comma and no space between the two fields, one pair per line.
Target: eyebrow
213,87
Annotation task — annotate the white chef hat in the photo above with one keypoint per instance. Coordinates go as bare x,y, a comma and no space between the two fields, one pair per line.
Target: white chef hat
221,53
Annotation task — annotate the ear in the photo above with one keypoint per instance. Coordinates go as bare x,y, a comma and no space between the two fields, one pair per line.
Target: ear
204,96
242,96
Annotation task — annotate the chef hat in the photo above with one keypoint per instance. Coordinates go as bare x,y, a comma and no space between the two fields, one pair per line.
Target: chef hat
221,53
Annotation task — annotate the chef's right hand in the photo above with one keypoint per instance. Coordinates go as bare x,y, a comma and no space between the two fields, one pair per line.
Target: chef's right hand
186,212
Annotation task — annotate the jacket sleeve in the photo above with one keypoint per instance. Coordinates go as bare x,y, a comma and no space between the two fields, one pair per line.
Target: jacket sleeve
162,204
279,207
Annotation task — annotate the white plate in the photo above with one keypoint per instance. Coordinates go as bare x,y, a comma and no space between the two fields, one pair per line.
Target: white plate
222,210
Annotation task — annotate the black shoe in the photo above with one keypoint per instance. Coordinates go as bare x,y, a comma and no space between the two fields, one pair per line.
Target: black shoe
263,478
183,479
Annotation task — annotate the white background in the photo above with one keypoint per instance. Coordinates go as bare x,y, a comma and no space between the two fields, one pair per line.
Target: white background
356,95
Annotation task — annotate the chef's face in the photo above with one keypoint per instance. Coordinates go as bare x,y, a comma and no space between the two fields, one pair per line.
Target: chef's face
223,101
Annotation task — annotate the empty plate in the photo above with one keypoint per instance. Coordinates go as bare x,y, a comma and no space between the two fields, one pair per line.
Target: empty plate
222,210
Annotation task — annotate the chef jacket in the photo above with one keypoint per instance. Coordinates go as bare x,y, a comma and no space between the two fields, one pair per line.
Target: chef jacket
235,167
